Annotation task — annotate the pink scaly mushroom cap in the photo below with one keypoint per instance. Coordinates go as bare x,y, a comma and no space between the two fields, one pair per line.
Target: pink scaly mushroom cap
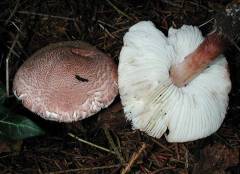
66,81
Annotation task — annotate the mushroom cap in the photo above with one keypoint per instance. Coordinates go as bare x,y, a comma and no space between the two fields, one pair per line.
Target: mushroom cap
66,81
150,99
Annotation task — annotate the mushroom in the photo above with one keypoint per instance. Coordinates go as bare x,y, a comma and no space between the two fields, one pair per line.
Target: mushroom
66,81
178,83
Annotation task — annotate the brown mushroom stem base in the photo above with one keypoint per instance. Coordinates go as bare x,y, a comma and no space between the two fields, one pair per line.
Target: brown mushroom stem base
197,61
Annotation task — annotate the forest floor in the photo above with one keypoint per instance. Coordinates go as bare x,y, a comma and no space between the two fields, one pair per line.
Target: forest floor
28,25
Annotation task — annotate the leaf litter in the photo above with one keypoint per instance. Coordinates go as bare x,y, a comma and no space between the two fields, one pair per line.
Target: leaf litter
29,25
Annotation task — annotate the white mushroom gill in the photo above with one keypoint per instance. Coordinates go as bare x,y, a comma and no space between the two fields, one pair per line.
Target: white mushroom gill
152,102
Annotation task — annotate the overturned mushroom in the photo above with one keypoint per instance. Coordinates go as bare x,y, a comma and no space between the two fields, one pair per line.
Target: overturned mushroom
164,82
66,81
178,83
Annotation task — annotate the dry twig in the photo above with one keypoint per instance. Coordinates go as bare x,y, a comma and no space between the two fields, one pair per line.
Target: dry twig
13,12
111,142
119,11
91,144
7,61
46,15
133,159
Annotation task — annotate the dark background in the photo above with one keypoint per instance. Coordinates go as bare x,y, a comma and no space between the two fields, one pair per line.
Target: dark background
27,25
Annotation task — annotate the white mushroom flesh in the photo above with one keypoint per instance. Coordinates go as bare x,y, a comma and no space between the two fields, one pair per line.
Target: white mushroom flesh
152,102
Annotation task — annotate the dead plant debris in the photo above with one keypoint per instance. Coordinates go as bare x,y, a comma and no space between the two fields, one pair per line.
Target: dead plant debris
28,25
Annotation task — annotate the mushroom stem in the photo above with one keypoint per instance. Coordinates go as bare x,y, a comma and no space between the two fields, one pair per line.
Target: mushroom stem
194,63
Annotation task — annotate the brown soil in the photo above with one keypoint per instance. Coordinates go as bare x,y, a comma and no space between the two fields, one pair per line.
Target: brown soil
28,25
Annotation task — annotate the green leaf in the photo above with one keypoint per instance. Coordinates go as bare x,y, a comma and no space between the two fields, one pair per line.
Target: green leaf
16,127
